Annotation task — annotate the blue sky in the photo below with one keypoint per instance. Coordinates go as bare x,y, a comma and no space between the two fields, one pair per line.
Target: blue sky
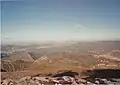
57,20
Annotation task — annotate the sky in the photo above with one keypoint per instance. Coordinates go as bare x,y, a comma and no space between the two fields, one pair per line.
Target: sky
59,20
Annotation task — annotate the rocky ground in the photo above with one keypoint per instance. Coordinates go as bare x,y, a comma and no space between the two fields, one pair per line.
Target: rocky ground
44,81
63,78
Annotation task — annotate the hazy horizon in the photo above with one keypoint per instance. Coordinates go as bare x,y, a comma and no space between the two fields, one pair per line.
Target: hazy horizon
61,20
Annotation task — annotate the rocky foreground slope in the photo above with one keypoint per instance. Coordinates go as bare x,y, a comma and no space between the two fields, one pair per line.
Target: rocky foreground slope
91,77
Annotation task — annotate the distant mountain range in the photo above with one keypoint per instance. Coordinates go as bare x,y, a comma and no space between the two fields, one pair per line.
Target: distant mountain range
68,55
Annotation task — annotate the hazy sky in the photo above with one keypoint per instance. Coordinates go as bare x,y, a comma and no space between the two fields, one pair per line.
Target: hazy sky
44,20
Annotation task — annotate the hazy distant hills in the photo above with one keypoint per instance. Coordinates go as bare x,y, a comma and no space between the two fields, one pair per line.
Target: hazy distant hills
32,52
25,56
36,51
106,46
77,55
79,47
21,56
